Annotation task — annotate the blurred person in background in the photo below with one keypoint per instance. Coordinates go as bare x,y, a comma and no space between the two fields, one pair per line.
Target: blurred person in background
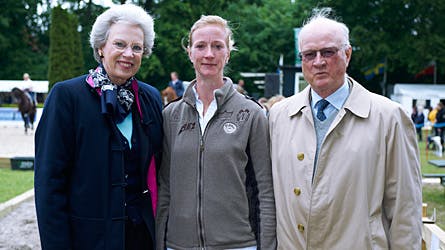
176,84
29,88
240,87
418,119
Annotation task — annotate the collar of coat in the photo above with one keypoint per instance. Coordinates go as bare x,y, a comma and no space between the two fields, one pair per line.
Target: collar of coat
221,95
358,101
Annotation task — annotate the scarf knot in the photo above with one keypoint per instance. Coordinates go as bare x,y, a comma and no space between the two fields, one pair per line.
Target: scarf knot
112,92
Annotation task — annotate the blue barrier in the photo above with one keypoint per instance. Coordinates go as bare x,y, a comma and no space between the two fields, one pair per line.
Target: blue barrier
10,114
436,125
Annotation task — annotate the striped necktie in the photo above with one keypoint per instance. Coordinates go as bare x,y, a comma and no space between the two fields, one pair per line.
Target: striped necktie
321,105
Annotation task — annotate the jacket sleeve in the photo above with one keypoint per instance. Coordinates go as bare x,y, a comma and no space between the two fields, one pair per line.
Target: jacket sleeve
259,146
403,191
54,140
164,187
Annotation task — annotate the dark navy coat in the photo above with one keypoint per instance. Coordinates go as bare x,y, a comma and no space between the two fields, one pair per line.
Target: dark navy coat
79,170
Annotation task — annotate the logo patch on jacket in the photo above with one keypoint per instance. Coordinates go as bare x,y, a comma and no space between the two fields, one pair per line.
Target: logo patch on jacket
243,115
229,128
225,115
187,126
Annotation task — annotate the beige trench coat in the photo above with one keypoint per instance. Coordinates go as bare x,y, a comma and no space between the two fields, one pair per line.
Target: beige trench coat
366,192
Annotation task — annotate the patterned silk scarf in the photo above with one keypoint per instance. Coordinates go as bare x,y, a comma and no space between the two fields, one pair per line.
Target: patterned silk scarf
123,93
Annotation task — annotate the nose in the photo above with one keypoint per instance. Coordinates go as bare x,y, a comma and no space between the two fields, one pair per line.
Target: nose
209,51
128,51
319,60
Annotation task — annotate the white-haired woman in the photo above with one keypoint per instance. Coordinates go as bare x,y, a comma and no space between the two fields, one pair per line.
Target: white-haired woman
216,187
98,145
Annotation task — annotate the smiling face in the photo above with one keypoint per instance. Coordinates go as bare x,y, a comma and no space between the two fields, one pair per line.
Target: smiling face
209,51
121,55
324,74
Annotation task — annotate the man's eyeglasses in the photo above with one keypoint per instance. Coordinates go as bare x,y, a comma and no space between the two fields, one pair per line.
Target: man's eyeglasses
310,55
122,46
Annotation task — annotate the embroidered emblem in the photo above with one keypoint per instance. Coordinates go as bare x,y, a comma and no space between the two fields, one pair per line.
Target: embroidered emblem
229,128
243,115
225,115
187,126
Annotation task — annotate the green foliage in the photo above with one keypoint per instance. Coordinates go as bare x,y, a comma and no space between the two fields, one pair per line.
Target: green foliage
22,40
408,34
86,17
65,52
173,19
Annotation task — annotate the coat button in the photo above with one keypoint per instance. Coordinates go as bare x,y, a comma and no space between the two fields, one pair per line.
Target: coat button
297,191
300,227
300,156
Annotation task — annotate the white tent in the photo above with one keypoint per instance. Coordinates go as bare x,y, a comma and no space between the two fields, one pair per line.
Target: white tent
38,86
406,93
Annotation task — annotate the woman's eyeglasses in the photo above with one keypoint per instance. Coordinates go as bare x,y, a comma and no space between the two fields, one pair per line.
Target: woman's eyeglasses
122,46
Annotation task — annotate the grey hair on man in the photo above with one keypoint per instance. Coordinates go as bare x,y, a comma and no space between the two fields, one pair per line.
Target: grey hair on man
325,15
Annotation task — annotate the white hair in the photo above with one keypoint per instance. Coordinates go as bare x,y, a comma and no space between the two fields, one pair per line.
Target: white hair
127,13
321,16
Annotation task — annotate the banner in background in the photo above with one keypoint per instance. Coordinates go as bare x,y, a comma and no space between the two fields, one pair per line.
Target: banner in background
376,70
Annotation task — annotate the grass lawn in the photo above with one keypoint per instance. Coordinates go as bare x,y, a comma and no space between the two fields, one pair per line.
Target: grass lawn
15,182
433,194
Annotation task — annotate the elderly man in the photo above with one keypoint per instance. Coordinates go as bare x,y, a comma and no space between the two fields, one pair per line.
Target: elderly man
345,161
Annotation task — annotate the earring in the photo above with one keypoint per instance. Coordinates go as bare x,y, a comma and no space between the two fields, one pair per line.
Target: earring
100,54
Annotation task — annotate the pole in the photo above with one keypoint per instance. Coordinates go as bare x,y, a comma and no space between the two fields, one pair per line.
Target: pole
435,72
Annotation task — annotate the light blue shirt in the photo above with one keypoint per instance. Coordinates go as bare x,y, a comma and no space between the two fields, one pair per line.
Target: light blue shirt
126,128
336,99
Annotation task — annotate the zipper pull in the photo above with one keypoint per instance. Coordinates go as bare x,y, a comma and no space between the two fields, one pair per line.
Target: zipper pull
201,146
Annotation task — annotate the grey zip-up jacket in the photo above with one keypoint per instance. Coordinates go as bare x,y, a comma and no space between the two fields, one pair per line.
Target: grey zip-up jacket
206,181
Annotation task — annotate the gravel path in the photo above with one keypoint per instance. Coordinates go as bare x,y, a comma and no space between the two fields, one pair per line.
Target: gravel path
18,229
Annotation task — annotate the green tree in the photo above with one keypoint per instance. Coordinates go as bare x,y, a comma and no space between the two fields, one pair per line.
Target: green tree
23,40
173,19
402,32
65,52
408,34
87,14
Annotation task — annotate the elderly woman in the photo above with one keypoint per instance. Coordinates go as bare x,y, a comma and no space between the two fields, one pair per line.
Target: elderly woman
216,187
98,143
